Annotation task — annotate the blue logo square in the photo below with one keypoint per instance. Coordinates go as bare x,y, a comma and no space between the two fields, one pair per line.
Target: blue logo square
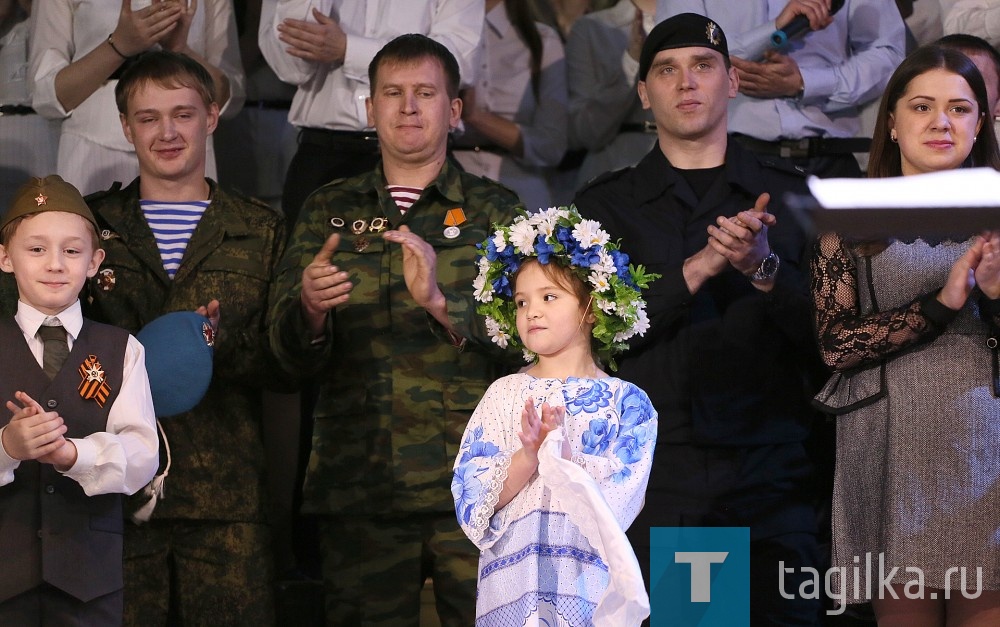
699,576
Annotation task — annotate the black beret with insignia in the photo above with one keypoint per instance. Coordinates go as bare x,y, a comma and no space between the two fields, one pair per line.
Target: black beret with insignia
686,30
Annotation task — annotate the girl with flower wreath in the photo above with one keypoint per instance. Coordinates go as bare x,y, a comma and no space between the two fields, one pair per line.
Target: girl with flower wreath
554,462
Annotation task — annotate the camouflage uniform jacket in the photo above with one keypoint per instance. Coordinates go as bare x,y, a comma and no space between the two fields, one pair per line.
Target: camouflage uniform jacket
394,392
218,461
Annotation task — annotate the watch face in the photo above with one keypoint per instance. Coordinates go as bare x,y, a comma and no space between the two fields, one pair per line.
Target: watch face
768,268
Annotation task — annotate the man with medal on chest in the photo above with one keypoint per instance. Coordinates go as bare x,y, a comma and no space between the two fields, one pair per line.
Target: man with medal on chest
374,299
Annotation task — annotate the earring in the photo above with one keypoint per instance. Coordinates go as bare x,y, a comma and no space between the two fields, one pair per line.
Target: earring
892,136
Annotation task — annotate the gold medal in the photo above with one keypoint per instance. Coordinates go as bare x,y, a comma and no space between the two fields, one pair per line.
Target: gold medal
358,226
337,223
378,225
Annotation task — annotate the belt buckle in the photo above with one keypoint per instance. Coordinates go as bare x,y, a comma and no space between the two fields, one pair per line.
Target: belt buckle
795,148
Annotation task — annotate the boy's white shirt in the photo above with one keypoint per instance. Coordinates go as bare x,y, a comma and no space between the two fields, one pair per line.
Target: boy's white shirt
125,457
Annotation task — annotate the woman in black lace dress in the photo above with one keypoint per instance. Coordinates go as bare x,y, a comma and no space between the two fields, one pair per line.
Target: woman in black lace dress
905,324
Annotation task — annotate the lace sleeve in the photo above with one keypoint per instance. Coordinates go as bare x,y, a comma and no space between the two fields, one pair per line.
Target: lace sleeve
848,338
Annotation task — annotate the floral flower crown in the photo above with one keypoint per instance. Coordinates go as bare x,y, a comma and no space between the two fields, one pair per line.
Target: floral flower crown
562,235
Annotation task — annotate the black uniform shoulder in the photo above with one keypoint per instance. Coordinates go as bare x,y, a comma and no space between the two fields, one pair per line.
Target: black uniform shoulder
613,177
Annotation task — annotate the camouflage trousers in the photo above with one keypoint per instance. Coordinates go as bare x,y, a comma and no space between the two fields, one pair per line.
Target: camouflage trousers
195,572
374,568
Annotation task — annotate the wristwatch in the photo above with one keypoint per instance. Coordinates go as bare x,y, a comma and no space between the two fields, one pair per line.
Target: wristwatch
768,268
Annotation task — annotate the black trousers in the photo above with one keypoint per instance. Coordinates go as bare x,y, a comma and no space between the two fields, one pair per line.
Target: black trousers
771,489
321,158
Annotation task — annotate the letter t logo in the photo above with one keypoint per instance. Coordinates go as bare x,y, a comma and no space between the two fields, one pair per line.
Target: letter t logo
701,571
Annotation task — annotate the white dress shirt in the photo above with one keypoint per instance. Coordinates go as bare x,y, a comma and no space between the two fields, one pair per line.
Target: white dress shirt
122,459
503,87
975,17
65,30
333,96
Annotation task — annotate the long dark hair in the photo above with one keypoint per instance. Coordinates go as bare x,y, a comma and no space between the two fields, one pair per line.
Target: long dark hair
522,18
885,159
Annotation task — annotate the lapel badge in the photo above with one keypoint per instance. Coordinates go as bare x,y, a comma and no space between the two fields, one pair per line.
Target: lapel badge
208,333
378,225
93,385
337,223
360,242
106,279
107,234
712,32
452,220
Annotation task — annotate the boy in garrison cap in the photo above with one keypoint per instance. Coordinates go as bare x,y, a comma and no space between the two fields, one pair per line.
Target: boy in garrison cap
731,320
81,431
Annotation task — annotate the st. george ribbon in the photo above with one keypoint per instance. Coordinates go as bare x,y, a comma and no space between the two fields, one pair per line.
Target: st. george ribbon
798,26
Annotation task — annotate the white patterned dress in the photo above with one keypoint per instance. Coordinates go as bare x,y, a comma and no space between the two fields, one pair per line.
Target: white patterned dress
537,565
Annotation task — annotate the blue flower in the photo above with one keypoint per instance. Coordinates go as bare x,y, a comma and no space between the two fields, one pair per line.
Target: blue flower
501,285
543,249
564,236
597,439
628,448
621,266
634,408
491,250
466,489
474,447
621,475
586,257
590,399
479,449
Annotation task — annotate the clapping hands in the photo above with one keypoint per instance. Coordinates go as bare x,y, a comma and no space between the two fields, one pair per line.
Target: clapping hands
535,428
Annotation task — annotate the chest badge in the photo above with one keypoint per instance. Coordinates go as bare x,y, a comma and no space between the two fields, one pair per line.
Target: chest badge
93,385
452,219
106,280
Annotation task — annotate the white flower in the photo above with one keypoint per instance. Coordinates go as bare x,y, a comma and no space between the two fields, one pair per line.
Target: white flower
621,336
562,214
528,355
483,290
600,281
500,241
605,264
607,306
522,236
642,323
589,233
499,336
545,221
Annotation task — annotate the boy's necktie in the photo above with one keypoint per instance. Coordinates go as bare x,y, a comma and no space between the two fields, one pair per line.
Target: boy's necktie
55,348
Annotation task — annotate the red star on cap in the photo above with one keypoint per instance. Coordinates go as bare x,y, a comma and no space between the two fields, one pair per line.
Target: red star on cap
40,199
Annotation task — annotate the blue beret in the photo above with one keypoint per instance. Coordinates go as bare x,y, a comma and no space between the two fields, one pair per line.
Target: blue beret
178,360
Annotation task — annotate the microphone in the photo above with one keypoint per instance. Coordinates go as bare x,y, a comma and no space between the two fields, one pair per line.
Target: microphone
798,25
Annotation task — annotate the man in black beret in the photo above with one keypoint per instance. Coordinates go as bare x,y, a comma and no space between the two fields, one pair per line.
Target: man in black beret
731,338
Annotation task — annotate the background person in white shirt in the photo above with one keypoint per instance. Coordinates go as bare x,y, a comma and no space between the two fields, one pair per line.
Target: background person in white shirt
324,48
78,47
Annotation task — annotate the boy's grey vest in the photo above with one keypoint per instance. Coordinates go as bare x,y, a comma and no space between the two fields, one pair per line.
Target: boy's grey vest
49,529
